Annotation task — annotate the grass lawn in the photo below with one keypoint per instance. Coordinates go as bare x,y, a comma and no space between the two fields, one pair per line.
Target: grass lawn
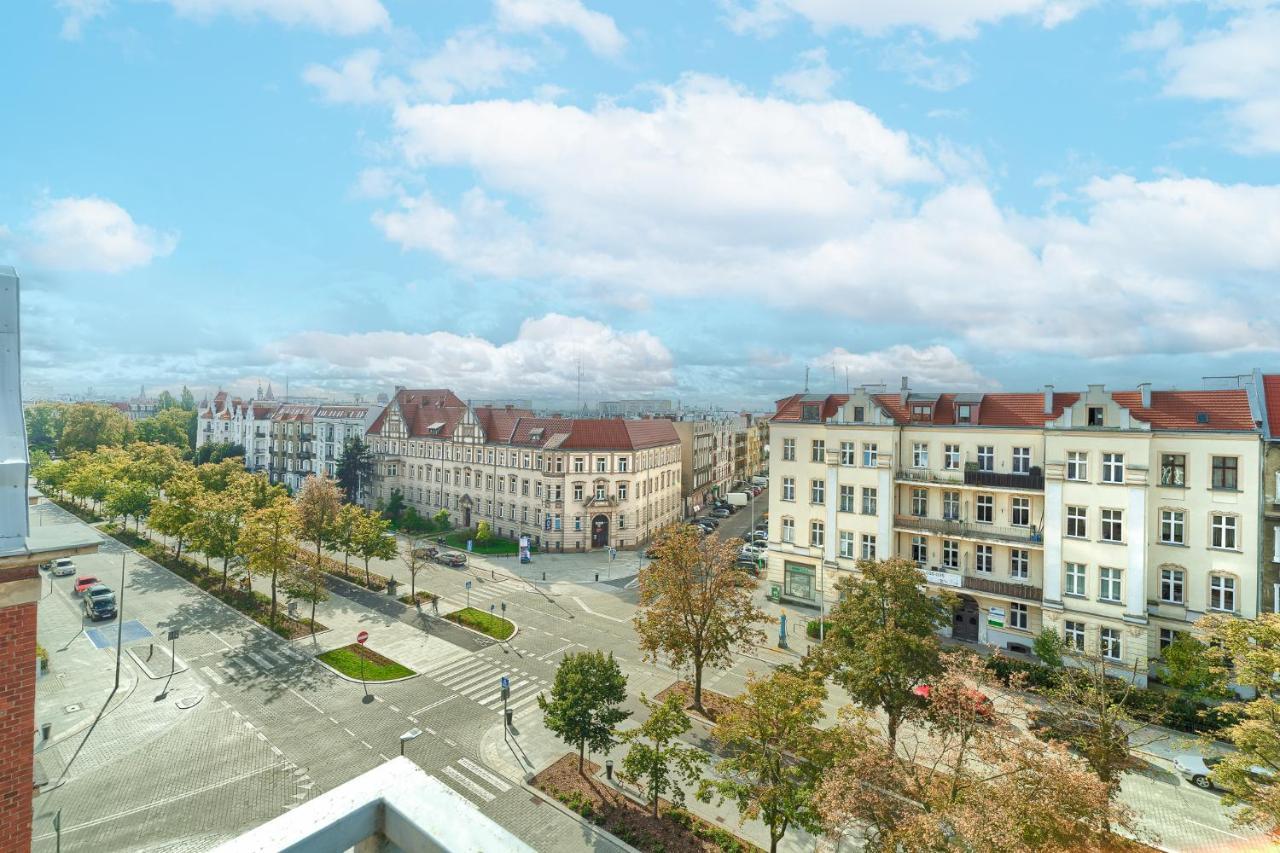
485,623
494,546
346,660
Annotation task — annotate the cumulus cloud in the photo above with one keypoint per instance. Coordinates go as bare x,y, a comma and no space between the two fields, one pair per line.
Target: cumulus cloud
597,29
77,13
946,19
934,366
811,79
928,71
90,234
341,17
542,360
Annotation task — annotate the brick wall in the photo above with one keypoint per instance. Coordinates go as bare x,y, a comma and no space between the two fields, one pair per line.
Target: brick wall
17,723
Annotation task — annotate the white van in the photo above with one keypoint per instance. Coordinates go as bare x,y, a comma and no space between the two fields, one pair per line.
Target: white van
760,481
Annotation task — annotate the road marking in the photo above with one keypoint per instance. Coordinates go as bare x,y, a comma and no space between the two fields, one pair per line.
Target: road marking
308,701
214,677
448,741
394,708
366,746
484,774
335,722
584,606
219,639
383,757
435,704
550,655
1215,829
348,731
277,751
485,701
474,787
267,665
526,700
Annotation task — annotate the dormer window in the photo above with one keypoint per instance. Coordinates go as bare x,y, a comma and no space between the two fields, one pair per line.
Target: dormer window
1095,416
964,414
859,414
809,412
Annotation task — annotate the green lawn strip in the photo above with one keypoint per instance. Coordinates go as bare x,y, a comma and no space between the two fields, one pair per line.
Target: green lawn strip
485,623
346,660
495,546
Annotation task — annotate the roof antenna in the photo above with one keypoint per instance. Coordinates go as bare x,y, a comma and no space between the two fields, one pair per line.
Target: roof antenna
579,406
806,379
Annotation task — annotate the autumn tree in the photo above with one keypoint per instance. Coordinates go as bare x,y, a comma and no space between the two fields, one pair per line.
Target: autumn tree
317,504
306,583
88,426
583,708
371,541
219,523
415,560
775,752
268,543
152,464
52,475
879,643
174,514
345,527
130,498
657,758
696,607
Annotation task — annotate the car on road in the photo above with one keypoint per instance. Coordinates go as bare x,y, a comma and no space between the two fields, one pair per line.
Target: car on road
455,559
84,582
62,567
1198,770
99,602
707,521
721,512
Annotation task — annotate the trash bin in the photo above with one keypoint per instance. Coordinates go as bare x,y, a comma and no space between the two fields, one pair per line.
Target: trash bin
775,592
391,587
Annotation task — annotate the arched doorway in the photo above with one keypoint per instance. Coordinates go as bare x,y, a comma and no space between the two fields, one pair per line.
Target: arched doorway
465,505
600,531
965,626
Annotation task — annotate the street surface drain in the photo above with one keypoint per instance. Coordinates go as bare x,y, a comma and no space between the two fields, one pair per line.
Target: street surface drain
71,709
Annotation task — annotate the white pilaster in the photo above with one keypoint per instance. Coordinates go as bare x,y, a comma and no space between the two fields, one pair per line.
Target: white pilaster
1052,593
1136,592
884,508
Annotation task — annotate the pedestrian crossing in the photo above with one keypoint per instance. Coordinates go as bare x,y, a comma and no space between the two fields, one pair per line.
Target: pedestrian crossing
253,663
479,679
466,777
483,593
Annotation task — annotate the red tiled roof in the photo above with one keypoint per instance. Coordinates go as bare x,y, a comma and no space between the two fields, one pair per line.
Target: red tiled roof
1227,409
1271,389
595,433
789,408
499,424
421,409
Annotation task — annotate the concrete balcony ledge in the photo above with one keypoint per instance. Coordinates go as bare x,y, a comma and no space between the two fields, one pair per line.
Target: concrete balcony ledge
958,529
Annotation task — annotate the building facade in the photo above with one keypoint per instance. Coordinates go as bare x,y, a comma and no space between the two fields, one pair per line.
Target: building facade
1268,387
706,454
569,484
308,439
1114,518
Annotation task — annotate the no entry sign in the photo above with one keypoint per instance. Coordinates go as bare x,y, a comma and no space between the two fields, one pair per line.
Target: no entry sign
361,637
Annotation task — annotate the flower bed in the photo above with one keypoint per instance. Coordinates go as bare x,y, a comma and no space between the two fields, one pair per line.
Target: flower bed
485,623
423,596
714,703
352,574
676,831
376,667
493,546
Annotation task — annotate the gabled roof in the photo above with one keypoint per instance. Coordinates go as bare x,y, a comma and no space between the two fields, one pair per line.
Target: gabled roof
499,424
1181,410
790,408
422,408
1271,392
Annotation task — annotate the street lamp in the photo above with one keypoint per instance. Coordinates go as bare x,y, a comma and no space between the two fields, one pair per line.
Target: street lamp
408,736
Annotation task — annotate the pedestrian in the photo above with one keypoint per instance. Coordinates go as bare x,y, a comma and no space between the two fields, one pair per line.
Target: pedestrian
435,605
613,553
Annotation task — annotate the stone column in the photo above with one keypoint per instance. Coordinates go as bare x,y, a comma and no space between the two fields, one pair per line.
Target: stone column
885,501
1135,600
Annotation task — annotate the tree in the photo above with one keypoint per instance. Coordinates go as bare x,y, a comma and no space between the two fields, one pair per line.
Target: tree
219,522
1188,666
52,475
306,583
92,477
317,504
355,469
165,402
879,643
483,532
152,464
776,753
371,540
165,427
88,426
1048,647
218,452
441,519
415,560
130,498
260,492
583,708
395,506
657,758
44,425
344,533
188,400
696,607
174,514
267,543
1249,652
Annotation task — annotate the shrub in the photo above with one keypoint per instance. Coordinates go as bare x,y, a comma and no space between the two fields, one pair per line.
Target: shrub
1037,676
1048,647
811,629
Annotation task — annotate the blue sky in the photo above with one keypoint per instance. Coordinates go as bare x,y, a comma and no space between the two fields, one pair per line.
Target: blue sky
694,200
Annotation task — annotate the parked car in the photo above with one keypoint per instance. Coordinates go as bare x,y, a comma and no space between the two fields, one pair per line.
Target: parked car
426,553
748,565
721,512
751,550
99,602
84,582
1198,770
760,540
455,559
708,521
62,567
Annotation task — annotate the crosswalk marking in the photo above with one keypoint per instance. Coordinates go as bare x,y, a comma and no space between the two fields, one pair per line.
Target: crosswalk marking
550,655
484,774
450,666
258,660
514,687
469,679
474,787
436,704
213,676
480,688
524,701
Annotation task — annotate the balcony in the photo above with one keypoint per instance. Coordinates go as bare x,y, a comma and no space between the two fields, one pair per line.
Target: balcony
954,580
1032,481
957,529
929,475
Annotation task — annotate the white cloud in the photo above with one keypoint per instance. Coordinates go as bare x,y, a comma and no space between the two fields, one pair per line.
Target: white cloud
77,13
946,19
925,70
811,79
355,80
342,17
934,366
597,29
91,234
542,360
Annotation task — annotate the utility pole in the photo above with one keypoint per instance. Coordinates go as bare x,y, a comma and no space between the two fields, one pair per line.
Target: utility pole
119,623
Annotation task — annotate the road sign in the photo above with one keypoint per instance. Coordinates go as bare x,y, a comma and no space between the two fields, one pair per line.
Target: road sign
506,688
361,637
173,633
468,584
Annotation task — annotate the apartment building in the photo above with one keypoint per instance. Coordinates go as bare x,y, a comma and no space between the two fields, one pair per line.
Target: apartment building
750,437
214,419
251,429
706,453
567,483
1268,388
1115,518
308,439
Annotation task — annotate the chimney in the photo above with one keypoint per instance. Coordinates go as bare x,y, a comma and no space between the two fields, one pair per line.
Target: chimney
1048,399
905,392
1145,388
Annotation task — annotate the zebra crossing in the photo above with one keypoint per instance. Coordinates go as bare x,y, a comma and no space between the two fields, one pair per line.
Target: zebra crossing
464,782
483,592
478,678
253,663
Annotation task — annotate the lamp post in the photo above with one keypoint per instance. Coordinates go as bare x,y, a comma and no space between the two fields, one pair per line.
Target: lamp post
408,736
119,623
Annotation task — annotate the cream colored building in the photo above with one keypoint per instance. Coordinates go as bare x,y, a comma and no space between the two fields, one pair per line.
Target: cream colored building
1114,518
569,484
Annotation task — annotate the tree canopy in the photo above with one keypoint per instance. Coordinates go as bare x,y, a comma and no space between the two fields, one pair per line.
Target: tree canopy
584,705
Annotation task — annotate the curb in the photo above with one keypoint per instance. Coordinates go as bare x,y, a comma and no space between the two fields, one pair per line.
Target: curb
446,618
345,677
79,727
598,831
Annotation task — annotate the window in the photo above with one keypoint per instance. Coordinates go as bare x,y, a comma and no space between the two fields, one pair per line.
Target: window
816,534
1171,585
951,506
848,453
1167,636
577,491
1108,584
868,501
1077,522
1019,563
868,546
984,559
919,455
986,457
1073,635
986,508
1173,527
1224,472
1113,525
1113,467
623,465
919,550
846,498
788,488
788,450
919,502
964,414
1022,460
798,580
921,412
1094,416
577,522
859,414
950,554
818,451
788,530
846,543
1109,643
1222,593
870,457
622,491
1018,616
1077,577
951,457
579,464
1173,469
817,491
1020,511
1223,528
1077,465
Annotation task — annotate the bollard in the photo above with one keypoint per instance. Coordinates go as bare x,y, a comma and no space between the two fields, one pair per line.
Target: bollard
509,713
45,728
597,577
544,575
608,769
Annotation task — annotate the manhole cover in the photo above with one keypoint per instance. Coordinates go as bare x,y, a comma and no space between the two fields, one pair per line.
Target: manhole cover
189,701
71,709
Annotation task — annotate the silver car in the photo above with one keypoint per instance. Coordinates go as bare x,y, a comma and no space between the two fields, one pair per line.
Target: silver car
62,567
1198,770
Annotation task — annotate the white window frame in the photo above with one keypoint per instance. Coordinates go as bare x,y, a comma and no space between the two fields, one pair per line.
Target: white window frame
919,454
1078,465
1114,518
817,534
951,457
868,546
1222,592
950,554
1019,563
788,450
1077,577
848,453
818,450
817,491
788,529
1073,635
1077,522
985,503
1109,644
984,559
1020,507
1022,460
1173,586
1110,580
870,454
870,498
1113,468
1173,522
788,489
986,457
1224,531
1019,616
847,548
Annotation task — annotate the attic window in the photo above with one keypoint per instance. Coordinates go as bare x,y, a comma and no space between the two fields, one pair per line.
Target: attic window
1202,417
922,412
536,434
809,412
964,414
859,414
1095,415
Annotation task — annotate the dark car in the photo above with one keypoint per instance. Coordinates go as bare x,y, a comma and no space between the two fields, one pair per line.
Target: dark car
721,512
707,521
453,558
99,602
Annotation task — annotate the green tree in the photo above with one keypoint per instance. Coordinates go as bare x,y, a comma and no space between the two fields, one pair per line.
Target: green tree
52,475
44,425
1188,666
165,401
305,583
219,452
483,532
268,545
657,758
152,464
130,498
175,513
165,427
395,506
93,474
219,522
355,469
776,753
260,492
344,533
583,708
218,476
880,643
415,560
317,503
1048,647
188,400
88,426
371,540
